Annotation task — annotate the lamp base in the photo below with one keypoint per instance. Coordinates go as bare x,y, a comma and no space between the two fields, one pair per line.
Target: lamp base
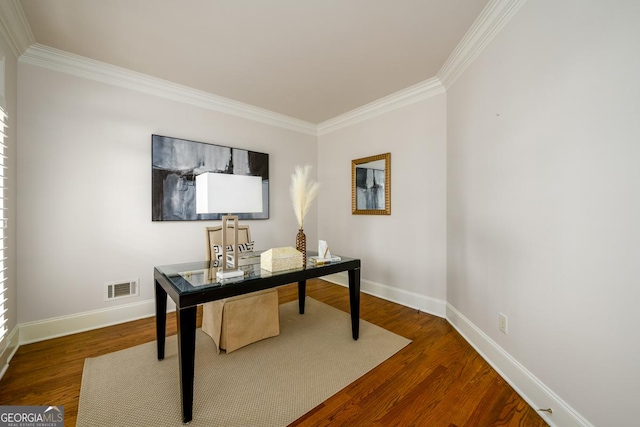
229,274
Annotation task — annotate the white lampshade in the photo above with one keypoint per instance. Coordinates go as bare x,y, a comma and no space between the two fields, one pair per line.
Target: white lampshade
227,193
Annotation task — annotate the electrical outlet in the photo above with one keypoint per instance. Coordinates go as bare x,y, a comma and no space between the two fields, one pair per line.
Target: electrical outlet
502,319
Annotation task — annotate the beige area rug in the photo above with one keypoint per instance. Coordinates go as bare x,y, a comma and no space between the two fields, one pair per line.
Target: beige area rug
269,383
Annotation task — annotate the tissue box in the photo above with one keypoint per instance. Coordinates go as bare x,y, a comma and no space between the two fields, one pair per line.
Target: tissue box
279,259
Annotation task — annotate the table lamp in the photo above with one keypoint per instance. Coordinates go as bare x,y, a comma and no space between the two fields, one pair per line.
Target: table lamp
227,194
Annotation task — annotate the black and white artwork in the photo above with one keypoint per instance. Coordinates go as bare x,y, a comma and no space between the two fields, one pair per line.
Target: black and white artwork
175,164
370,188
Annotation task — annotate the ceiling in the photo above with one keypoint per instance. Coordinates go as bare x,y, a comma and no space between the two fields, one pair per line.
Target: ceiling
308,59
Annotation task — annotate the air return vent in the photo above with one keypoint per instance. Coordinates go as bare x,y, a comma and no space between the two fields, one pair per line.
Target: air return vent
121,289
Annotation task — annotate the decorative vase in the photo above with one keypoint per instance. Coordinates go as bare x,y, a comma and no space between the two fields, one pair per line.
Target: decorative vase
301,245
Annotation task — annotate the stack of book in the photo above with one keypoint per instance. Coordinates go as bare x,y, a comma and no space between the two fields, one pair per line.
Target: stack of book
318,260
244,258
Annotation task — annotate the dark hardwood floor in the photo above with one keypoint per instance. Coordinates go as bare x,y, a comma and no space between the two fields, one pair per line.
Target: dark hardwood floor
437,380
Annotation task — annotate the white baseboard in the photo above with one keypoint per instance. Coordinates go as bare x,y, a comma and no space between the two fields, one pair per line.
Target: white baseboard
9,350
532,390
66,325
410,299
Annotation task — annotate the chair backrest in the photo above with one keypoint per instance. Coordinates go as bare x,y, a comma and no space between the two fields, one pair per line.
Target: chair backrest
213,236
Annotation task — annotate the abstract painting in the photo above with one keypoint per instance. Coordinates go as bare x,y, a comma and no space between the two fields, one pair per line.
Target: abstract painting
176,162
370,188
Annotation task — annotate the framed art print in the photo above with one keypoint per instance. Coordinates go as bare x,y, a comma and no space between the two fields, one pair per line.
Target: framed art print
176,162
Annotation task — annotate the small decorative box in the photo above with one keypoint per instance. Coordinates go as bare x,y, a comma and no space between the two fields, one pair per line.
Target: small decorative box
280,259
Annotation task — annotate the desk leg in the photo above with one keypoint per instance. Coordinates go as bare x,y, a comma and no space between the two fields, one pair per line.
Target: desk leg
302,293
354,301
161,319
186,318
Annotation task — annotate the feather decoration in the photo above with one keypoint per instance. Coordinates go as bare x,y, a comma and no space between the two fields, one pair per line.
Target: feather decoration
303,191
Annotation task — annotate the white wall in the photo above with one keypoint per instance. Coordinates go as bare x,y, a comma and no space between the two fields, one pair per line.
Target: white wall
523,179
404,254
84,174
544,199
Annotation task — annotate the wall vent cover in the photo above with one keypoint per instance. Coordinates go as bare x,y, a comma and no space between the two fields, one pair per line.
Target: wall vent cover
121,289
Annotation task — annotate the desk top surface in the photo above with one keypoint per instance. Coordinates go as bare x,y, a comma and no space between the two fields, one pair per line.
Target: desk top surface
198,277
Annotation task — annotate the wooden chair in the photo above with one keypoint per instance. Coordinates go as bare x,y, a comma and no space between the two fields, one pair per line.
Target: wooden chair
239,321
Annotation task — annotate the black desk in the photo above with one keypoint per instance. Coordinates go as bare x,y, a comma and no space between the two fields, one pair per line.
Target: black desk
195,283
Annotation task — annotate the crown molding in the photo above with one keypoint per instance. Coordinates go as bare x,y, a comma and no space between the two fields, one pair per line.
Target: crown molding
491,20
415,93
79,66
14,27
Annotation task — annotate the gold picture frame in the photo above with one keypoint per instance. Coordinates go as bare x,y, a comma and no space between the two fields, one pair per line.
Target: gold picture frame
371,185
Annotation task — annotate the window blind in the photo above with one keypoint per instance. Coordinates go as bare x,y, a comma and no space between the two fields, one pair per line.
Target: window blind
3,226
